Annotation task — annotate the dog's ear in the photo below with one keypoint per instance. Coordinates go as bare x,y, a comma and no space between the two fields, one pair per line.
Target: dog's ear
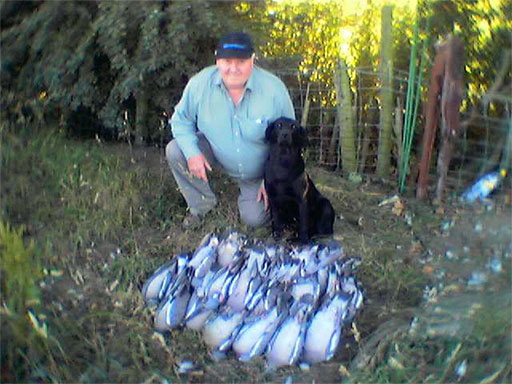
300,137
271,133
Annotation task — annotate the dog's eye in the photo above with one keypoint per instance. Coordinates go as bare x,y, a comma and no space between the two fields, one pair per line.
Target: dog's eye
294,126
279,125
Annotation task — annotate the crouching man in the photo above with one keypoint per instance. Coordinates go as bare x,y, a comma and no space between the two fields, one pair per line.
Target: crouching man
220,121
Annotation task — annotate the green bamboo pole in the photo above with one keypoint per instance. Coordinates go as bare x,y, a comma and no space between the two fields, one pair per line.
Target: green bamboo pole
411,83
417,99
412,122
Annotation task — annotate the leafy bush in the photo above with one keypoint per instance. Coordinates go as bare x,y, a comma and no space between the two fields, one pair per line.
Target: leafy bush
20,270
115,67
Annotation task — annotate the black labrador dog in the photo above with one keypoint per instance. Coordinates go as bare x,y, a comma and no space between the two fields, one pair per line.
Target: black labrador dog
293,198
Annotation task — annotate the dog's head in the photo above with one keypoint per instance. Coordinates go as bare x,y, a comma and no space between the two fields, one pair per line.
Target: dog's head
286,132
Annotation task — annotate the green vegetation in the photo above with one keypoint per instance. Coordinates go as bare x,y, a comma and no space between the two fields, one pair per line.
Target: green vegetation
109,68
99,218
418,358
320,32
22,267
85,207
83,223
115,68
20,271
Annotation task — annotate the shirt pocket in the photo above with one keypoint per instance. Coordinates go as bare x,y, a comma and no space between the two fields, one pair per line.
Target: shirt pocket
253,129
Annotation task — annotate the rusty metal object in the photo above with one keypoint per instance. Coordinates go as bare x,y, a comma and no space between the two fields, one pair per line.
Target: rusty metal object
443,105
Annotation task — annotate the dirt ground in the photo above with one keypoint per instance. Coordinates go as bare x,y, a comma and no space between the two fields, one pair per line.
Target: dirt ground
425,269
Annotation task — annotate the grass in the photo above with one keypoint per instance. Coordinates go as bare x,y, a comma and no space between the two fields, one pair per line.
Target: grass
71,196
99,218
418,358
95,213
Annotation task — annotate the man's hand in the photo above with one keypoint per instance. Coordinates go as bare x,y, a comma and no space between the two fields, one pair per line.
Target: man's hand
262,195
197,166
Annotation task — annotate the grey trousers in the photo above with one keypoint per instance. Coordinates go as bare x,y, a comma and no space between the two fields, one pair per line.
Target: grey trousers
199,195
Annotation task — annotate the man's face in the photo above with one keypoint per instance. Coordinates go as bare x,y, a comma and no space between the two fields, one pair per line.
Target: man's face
235,72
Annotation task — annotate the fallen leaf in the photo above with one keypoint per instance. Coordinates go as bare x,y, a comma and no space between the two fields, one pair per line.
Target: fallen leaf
40,328
390,200
53,272
493,377
454,353
416,248
440,210
394,363
113,285
355,332
343,370
398,208
452,288
159,338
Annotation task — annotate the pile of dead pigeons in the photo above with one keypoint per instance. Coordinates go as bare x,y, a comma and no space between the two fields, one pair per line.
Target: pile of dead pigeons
289,303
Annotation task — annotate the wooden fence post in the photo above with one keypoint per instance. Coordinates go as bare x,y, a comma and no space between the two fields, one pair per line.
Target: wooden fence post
345,120
386,92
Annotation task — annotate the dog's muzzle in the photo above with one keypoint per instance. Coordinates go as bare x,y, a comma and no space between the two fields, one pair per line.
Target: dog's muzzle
285,139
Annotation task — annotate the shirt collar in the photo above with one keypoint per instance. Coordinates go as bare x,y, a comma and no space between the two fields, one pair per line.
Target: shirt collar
217,80
250,81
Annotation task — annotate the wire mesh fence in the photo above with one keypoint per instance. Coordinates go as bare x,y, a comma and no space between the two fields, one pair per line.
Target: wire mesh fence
484,142
483,145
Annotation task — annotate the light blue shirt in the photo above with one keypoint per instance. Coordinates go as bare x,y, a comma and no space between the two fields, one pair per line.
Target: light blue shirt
236,133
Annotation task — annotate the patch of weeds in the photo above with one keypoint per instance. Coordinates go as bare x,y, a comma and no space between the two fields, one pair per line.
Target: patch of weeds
481,356
73,192
493,318
131,265
20,268
26,343
71,196
490,347
388,278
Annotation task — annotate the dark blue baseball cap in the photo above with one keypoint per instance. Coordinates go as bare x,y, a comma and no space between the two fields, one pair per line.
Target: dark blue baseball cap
234,45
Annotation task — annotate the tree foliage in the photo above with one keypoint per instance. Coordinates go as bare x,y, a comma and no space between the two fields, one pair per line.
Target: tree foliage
485,28
89,64
321,31
94,61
